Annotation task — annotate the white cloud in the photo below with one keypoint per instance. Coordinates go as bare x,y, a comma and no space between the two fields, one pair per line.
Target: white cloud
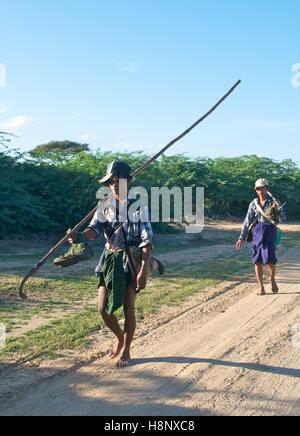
122,146
16,123
3,108
87,137
127,68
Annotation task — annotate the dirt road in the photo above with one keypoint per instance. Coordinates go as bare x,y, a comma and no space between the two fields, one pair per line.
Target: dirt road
232,354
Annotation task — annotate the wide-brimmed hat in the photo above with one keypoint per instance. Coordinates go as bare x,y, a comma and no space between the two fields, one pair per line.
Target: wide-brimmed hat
261,183
117,168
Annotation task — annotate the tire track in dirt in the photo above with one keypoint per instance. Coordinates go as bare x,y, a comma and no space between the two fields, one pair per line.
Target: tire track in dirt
229,355
170,258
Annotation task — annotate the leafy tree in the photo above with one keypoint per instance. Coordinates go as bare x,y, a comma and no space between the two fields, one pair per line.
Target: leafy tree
51,194
58,152
5,139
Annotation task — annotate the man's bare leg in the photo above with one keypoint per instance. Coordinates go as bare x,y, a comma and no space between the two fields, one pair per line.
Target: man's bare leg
130,326
272,271
259,269
110,321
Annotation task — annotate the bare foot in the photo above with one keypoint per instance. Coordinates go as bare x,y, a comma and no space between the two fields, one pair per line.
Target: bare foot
262,292
124,361
275,288
119,348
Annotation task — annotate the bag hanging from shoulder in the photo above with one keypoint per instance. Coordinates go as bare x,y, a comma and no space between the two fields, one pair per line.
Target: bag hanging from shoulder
279,231
279,237
250,235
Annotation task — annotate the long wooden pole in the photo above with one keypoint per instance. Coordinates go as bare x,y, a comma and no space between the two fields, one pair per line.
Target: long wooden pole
135,174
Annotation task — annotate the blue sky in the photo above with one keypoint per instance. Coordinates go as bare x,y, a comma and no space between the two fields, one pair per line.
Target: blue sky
131,75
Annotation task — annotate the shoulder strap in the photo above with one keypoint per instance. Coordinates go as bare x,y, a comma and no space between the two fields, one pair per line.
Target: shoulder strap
260,210
131,261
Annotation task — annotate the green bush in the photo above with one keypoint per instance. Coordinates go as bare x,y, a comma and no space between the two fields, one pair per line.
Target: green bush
38,194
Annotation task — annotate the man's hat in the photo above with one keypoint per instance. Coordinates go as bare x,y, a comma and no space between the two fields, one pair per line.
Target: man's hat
117,168
261,183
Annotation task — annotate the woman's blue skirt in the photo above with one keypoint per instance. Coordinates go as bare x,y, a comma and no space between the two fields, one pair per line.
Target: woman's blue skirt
264,244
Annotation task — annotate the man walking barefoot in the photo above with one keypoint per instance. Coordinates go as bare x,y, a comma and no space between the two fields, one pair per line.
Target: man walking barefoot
263,216
118,285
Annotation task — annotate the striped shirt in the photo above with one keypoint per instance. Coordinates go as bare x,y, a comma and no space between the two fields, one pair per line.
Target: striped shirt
254,215
137,228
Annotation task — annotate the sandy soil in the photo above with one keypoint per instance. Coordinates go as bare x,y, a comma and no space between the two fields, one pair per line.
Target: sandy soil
225,352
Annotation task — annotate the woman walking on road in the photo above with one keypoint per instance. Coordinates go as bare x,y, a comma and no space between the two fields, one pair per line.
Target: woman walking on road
260,226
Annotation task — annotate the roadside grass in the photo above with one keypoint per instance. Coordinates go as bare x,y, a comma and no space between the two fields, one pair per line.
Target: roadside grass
64,334
47,297
73,331
63,290
192,244
290,240
72,294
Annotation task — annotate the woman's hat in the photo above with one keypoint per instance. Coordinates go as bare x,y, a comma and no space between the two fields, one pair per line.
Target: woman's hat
117,168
